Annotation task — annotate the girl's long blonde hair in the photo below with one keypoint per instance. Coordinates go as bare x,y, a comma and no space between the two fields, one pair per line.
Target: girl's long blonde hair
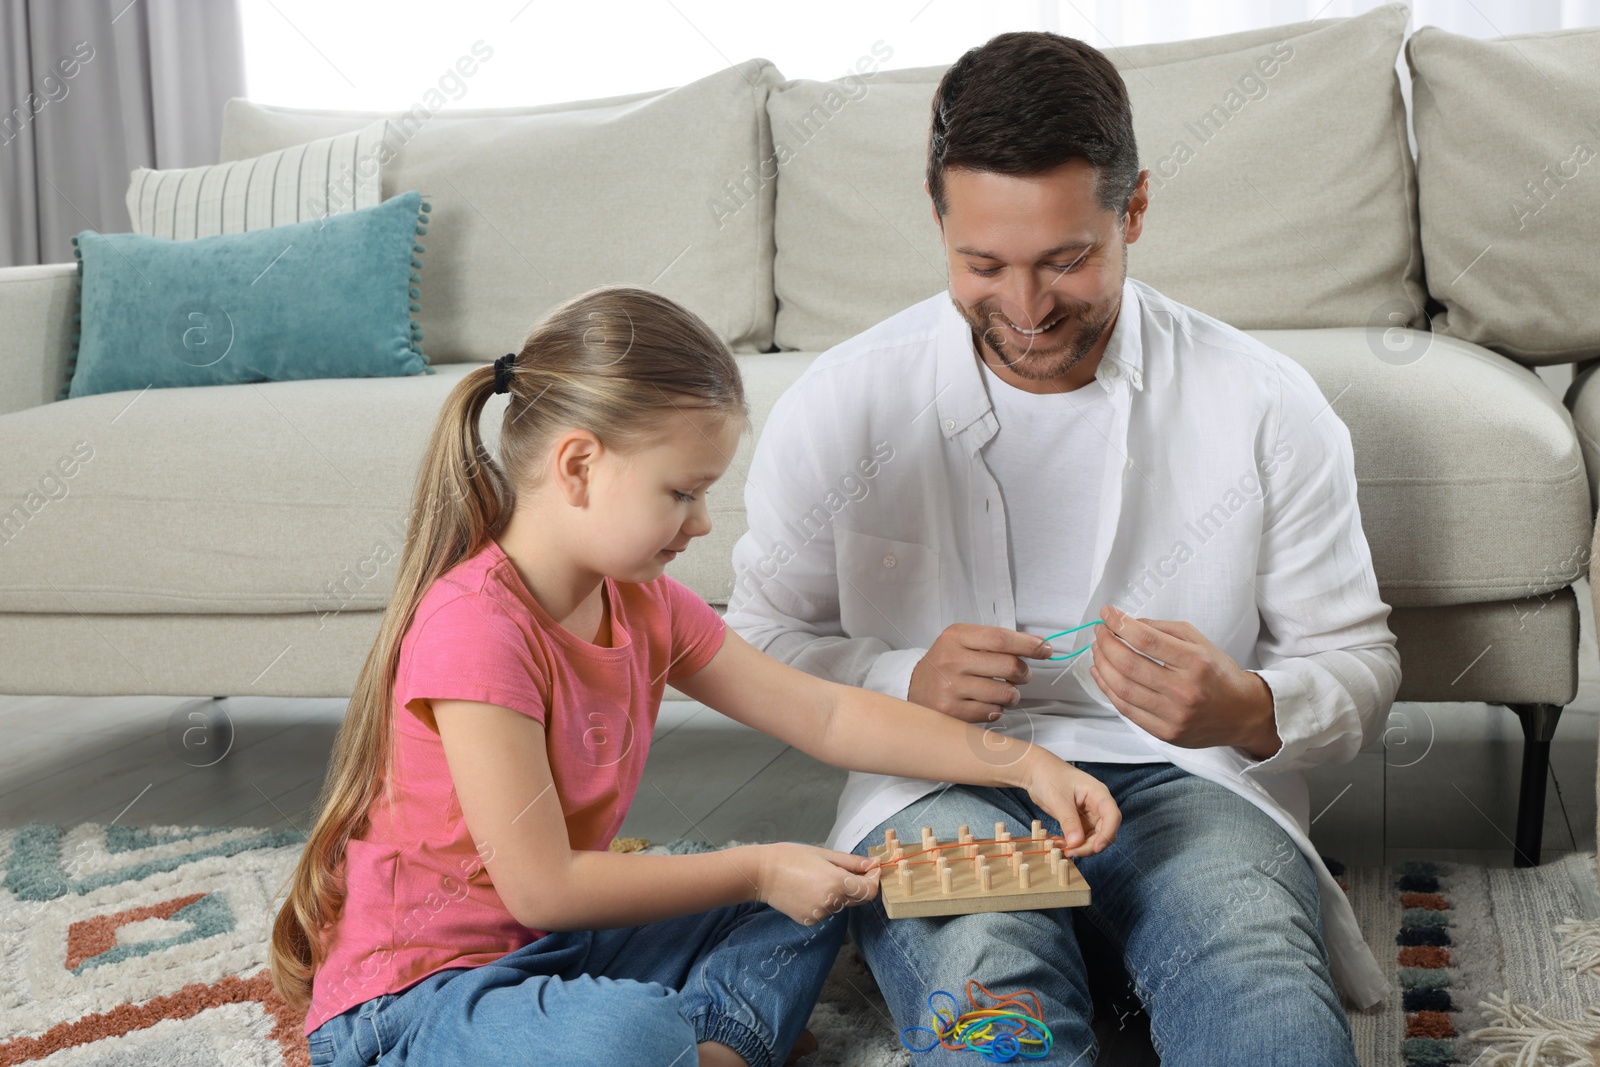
614,361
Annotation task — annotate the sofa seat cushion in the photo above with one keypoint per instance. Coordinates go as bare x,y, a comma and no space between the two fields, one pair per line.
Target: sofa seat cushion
272,497
257,498
285,497
1469,476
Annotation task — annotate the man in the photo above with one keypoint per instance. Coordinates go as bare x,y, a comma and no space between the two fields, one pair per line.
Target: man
1049,444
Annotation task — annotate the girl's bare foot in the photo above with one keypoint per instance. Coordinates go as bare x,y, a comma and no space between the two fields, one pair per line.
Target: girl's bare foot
804,1045
715,1054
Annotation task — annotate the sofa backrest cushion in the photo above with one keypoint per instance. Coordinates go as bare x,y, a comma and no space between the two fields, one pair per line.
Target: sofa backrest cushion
1282,187
1508,178
534,205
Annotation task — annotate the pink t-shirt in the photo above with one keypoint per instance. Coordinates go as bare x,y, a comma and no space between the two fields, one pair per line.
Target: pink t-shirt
418,897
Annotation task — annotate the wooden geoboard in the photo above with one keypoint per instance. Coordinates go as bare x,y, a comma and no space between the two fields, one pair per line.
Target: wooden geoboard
967,876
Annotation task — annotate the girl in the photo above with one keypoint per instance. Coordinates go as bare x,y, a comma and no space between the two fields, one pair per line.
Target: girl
456,901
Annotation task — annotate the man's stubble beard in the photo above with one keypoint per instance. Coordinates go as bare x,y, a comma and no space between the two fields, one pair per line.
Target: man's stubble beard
1042,364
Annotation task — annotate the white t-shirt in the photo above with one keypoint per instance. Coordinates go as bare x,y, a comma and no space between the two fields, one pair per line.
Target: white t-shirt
1049,458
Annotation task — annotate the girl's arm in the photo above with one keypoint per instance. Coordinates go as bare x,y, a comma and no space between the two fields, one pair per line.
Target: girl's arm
502,777
866,731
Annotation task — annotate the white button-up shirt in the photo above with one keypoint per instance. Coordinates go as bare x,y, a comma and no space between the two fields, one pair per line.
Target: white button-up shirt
1228,501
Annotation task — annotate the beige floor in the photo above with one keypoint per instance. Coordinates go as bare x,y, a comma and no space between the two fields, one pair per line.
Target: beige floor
1442,784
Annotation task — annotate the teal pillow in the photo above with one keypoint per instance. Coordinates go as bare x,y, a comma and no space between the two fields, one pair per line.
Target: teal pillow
328,298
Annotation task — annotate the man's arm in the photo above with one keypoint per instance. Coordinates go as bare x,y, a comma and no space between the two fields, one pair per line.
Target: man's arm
1325,650
1329,669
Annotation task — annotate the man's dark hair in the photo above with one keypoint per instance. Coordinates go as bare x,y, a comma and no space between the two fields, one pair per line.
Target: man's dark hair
1027,102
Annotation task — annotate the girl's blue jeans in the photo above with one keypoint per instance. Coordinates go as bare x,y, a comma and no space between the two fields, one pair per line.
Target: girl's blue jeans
1211,906
746,976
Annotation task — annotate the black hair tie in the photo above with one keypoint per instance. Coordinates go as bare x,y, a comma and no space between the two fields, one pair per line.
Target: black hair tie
502,372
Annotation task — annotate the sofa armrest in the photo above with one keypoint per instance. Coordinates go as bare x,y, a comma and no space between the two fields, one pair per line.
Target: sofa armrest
36,327
1583,400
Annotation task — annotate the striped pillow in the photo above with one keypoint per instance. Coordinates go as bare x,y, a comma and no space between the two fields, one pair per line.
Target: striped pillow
296,184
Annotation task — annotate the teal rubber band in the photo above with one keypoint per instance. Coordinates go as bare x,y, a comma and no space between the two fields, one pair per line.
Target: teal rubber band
1075,629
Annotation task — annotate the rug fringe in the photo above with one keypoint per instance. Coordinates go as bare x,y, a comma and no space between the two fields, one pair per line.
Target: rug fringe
1580,945
1529,1038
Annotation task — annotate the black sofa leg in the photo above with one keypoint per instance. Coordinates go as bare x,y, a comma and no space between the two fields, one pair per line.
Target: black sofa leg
1538,727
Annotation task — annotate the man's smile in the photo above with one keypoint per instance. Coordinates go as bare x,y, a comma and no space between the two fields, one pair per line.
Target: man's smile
1048,326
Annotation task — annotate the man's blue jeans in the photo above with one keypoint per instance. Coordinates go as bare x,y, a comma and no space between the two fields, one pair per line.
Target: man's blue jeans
746,976
1212,906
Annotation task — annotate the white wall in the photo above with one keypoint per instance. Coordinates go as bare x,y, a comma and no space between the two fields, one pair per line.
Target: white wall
366,54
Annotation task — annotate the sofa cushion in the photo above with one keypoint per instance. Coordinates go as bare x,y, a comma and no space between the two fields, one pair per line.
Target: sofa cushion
1469,476
273,497
1508,180
535,205
1282,192
328,176
268,497
320,299
1471,485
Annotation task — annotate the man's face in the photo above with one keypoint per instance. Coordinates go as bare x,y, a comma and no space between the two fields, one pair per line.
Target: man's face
1037,265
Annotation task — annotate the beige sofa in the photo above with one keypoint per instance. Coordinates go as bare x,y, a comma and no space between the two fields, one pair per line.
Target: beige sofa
241,539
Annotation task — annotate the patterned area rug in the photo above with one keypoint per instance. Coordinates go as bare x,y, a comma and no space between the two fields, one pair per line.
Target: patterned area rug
142,946
1493,967
125,947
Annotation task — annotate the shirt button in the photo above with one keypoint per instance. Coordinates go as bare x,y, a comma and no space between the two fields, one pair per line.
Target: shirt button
1111,370
1138,379
888,561
1129,464
949,424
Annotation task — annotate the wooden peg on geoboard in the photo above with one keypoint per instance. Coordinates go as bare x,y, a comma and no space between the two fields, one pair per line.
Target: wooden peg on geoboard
932,884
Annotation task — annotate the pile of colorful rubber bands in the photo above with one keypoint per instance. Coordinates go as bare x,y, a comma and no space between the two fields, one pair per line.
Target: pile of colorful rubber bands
1006,1032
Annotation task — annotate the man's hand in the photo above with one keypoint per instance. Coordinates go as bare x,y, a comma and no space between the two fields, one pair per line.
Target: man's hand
973,671
1196,697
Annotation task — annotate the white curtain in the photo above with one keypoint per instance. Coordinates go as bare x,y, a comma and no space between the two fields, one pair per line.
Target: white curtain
90,89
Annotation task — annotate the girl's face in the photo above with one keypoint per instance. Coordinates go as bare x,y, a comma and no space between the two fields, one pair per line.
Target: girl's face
646,506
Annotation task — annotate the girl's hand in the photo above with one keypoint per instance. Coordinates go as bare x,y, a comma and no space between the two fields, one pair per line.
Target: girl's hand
808,883
1080,802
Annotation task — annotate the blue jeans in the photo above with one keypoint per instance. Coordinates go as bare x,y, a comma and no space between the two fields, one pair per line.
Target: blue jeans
746,976
1212,907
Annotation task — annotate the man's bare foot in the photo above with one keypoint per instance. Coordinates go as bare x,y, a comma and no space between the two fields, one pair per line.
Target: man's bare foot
804,1045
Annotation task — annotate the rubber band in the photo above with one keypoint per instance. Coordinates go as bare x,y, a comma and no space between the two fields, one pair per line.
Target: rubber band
1075,629
986,1031
1046,843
